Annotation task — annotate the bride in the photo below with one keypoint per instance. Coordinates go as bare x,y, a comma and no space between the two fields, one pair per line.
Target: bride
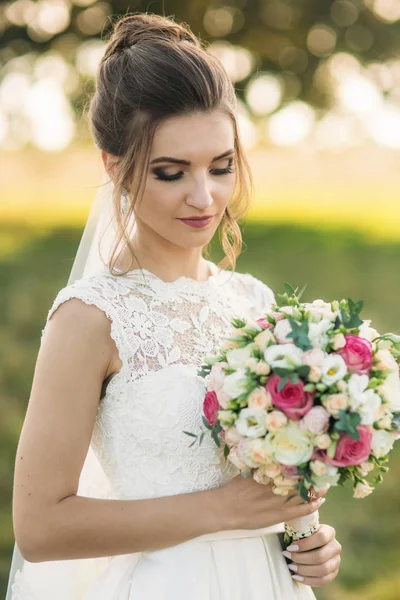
110,502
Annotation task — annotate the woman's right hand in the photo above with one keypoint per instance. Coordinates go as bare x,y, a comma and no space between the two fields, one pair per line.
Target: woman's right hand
245,504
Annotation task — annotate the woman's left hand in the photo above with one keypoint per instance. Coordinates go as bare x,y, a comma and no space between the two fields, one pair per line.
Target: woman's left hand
318,557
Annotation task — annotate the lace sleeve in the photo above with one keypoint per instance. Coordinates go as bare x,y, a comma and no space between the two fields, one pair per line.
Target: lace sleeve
265,297
90,291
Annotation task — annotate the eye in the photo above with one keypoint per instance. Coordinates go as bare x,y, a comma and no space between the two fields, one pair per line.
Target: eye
161,175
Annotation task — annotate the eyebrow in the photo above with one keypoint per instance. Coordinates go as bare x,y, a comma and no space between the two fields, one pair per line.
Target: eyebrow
181,161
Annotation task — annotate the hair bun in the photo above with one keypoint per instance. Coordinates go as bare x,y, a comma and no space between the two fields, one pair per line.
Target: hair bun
147,28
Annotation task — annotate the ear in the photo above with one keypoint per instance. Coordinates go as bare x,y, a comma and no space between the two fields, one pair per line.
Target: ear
109,162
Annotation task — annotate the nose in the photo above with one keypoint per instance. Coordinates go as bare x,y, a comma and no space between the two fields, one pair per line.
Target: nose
200,195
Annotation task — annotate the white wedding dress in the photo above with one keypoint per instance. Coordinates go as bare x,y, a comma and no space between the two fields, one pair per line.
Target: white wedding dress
162,331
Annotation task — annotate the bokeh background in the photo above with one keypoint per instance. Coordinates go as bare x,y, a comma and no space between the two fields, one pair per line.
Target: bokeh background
318,84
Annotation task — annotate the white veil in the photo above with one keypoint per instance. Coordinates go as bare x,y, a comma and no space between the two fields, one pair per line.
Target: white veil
69,579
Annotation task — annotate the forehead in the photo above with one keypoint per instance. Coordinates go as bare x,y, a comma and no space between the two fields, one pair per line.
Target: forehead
194,135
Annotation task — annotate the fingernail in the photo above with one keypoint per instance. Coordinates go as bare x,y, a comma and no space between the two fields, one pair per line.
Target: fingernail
322,501
298,577
293,567
287,554
293,547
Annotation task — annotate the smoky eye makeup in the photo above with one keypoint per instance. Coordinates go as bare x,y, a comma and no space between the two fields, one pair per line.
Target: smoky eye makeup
160,173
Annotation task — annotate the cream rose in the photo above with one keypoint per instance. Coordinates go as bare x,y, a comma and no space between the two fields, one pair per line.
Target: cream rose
314,357
263,368
315,374
275,420
232,436
335,402
330,477
259,451
316,420
385,361
323,441
318,467
261,476
272,469
338,341
262,339
362,490
259,398
291,445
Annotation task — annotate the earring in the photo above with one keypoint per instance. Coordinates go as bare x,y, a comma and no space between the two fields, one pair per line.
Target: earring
125,201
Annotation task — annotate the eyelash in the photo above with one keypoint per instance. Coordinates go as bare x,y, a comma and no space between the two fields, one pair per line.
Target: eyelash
163,177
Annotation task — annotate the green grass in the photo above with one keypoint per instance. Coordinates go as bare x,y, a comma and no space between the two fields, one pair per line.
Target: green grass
333,263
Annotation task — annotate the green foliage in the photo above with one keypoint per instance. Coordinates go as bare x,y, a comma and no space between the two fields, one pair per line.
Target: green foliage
348,422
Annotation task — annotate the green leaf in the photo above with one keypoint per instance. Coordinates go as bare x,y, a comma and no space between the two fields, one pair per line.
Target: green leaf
303,371
299,334
283,382
191,434
226,450
301,292
290,290
215,437
206,423
294,378
348,422
282,372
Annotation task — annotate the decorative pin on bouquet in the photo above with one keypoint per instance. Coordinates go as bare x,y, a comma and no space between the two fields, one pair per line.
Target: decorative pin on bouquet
307,396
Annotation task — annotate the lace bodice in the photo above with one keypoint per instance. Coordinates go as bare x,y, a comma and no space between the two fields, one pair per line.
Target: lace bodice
162,331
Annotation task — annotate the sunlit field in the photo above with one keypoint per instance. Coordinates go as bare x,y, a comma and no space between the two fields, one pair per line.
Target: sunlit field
355,189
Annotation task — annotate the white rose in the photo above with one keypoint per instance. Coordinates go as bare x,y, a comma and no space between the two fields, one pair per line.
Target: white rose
323,441
244,454
368,407
236,384
275,420
282,328
291,445
331,477
316,420
287,310
314,357
362,490
259,398
317,333
390,391
385,361
335,402
382,442
286,356
320,310
262,339
338,341
367,332
333,369
238,358
251,422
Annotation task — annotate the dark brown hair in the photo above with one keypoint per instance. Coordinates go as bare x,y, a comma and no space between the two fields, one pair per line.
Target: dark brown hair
154,68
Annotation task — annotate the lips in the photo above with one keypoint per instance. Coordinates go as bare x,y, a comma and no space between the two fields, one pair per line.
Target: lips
197,222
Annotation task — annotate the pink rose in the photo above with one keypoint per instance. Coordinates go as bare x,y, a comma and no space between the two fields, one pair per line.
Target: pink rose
211,407
265,324
349,451
292,400
357,354
316,420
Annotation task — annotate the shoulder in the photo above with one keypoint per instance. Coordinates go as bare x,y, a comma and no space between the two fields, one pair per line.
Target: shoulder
86,303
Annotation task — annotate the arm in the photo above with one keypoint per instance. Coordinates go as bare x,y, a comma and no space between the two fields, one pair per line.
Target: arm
50,521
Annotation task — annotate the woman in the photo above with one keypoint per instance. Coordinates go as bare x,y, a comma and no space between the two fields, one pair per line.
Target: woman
117,367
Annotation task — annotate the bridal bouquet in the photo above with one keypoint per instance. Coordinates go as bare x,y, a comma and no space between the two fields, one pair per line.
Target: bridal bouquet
307,396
